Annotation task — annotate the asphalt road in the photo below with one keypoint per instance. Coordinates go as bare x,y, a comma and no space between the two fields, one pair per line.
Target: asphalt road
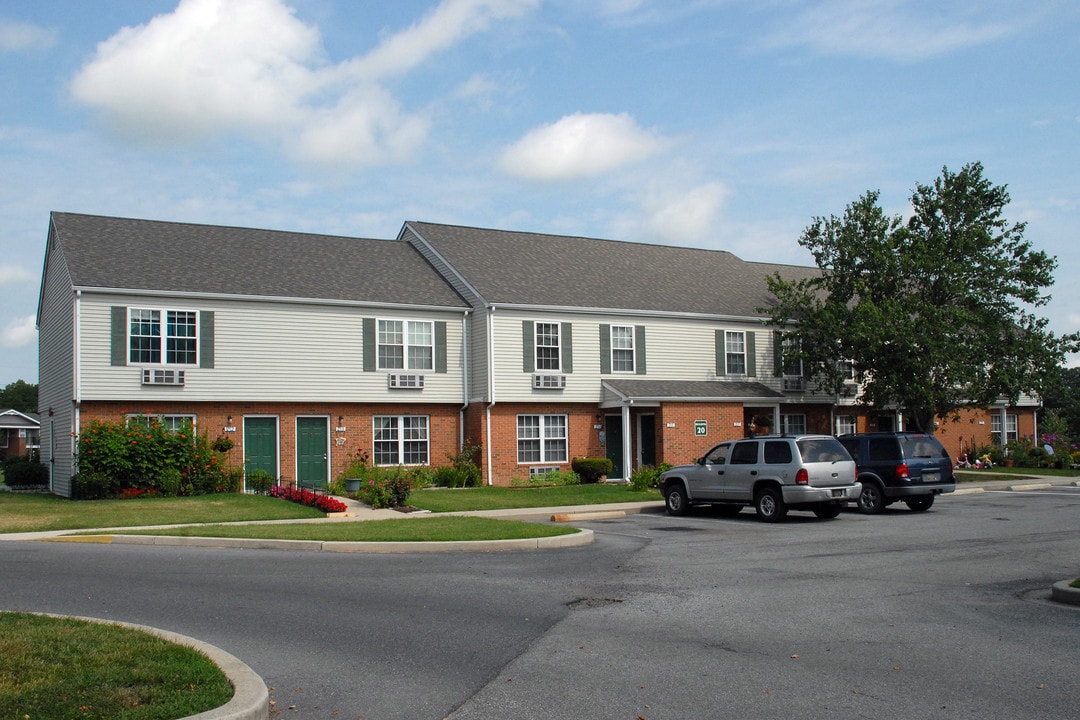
942,614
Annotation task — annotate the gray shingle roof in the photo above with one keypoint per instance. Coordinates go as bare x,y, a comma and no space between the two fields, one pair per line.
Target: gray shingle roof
522,268
714,390
108,252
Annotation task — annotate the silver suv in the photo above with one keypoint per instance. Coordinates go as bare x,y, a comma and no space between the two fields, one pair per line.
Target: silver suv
774,473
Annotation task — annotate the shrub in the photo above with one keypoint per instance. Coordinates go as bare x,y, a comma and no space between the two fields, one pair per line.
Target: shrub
451,477
647,476
591,469
94,485
170,481
20,471
551,478
468,473
385,487
259,481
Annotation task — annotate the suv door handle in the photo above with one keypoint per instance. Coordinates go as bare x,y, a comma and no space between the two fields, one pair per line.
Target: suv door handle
719,472
753,472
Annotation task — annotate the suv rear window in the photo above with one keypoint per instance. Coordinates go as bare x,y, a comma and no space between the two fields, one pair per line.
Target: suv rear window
922,446
815,450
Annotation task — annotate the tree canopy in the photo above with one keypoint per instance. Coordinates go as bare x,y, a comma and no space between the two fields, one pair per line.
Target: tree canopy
20,396
932,314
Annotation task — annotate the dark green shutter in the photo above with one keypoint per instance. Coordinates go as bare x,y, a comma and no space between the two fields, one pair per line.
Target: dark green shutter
639,349
605,349
721,354
778,353
528,346
369,345
440,347
119,335
566,339
751,355
206,339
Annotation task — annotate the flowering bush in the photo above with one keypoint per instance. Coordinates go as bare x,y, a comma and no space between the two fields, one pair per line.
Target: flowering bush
145,454
307,497
385,487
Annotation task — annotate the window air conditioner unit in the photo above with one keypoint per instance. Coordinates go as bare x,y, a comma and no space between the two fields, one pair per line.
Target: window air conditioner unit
549,382
399,380
152,376
794,384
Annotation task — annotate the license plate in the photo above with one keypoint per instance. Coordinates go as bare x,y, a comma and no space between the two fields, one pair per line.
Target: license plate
838,493
930,477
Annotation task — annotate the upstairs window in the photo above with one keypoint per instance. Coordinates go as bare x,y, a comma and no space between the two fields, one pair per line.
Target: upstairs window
547,346
147,336
406,345
735,352
622,348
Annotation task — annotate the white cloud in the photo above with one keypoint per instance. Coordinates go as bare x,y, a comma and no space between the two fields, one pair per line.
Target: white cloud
894,29
580,145
447,24
19,332
251,68
687,216
13,274
18,36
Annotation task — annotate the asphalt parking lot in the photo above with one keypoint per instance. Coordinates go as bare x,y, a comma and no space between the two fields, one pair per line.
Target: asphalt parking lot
941,614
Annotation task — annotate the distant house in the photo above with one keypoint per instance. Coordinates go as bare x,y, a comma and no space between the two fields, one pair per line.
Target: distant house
19,432
303,348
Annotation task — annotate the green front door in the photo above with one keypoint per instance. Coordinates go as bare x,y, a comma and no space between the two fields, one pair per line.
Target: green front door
311,462
260,445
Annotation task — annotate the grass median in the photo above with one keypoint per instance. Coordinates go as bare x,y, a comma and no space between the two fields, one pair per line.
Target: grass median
61,668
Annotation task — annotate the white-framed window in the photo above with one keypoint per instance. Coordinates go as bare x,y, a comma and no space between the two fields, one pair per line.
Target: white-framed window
148,336
845,424
846,369
735,352
793,367
401,440
1011,433
542,438
793,424
172,423
622,349
406,345
548,351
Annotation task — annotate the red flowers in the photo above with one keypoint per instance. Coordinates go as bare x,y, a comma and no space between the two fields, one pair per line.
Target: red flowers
307,497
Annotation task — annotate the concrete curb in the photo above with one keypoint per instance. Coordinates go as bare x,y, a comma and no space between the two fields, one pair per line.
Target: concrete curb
1061,592
250,700
580,538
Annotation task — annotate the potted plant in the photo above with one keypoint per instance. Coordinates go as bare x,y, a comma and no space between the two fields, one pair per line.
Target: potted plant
223,444
356,471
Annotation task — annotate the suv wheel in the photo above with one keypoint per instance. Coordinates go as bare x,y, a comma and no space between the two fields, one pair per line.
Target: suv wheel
770,506
920,503
675,499
872,498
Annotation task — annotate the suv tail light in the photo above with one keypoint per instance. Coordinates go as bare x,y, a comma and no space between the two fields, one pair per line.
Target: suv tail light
802,477
901,471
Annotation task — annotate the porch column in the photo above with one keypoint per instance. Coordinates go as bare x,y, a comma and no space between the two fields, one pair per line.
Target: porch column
628,444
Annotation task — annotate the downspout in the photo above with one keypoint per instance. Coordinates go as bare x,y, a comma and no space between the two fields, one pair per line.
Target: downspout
491,389
76,396
464,379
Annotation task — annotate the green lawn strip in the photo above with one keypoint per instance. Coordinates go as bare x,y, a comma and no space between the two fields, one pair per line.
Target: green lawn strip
1011,474
498,498
38,512
418,529
61,668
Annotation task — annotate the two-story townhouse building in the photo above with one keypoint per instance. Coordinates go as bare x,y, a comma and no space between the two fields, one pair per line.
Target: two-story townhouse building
540,348
18,433
640,353
301,348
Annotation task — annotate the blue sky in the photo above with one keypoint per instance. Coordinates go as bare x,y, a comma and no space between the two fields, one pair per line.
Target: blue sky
723,124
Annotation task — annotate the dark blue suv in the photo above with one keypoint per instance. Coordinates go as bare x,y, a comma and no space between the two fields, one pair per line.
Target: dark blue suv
908,466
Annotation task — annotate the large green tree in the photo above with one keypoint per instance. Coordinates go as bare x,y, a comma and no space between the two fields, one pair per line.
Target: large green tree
932,314
21,396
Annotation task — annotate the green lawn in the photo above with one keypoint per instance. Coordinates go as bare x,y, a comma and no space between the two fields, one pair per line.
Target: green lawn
36,512
416,529
499,498
61,668
1011,474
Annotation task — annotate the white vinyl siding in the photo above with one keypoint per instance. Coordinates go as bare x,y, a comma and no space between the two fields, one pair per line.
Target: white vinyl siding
288,352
